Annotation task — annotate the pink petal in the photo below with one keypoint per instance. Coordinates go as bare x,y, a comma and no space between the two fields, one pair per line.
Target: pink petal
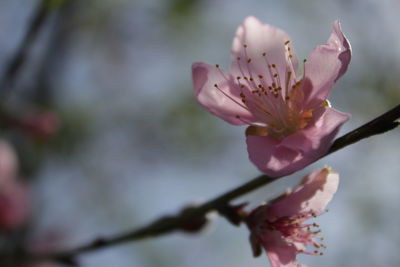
224,103
279,157
327,63
260,38
279,252
312,195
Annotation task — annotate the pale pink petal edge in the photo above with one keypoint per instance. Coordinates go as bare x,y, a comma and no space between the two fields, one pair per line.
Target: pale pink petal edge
223,103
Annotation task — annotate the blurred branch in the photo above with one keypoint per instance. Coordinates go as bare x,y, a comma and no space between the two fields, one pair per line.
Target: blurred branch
21,55
382,124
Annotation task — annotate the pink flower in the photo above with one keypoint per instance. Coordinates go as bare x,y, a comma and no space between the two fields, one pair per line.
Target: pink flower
291,122
14,204
14,195
279,226
40,125
8,162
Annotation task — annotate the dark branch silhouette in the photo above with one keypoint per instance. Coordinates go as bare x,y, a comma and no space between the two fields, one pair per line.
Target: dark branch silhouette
191,219
35,25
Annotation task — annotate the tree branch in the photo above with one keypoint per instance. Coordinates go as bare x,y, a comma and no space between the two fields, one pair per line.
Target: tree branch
383,123
37,21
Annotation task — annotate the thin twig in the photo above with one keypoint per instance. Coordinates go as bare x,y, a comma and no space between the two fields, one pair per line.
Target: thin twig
36,23
381,124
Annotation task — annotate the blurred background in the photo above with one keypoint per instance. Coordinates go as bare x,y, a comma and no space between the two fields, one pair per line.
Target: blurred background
101,133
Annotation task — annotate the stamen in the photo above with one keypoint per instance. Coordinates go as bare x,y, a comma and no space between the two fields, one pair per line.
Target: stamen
228,96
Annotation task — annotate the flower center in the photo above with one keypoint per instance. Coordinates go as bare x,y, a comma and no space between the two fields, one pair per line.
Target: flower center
295,231
270,92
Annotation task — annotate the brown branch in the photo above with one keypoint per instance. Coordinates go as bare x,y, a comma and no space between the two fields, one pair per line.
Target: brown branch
381,124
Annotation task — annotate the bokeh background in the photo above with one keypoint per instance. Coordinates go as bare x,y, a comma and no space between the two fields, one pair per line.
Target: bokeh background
134,145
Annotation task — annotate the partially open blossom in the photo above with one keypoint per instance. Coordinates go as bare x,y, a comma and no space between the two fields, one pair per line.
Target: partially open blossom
14,195
8,162
14,204
280,226
40,125
291,121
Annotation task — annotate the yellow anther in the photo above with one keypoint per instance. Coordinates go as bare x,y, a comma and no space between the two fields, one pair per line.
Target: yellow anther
326,104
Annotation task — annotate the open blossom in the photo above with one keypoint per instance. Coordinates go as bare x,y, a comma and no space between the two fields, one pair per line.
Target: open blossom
279,226
291,121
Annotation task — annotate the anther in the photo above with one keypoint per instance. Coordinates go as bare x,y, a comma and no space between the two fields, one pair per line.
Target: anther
238,58
216,85
264,54
305,60
216,65
237,117
290,56
260,76
245,45
249,60
287,42
273,65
